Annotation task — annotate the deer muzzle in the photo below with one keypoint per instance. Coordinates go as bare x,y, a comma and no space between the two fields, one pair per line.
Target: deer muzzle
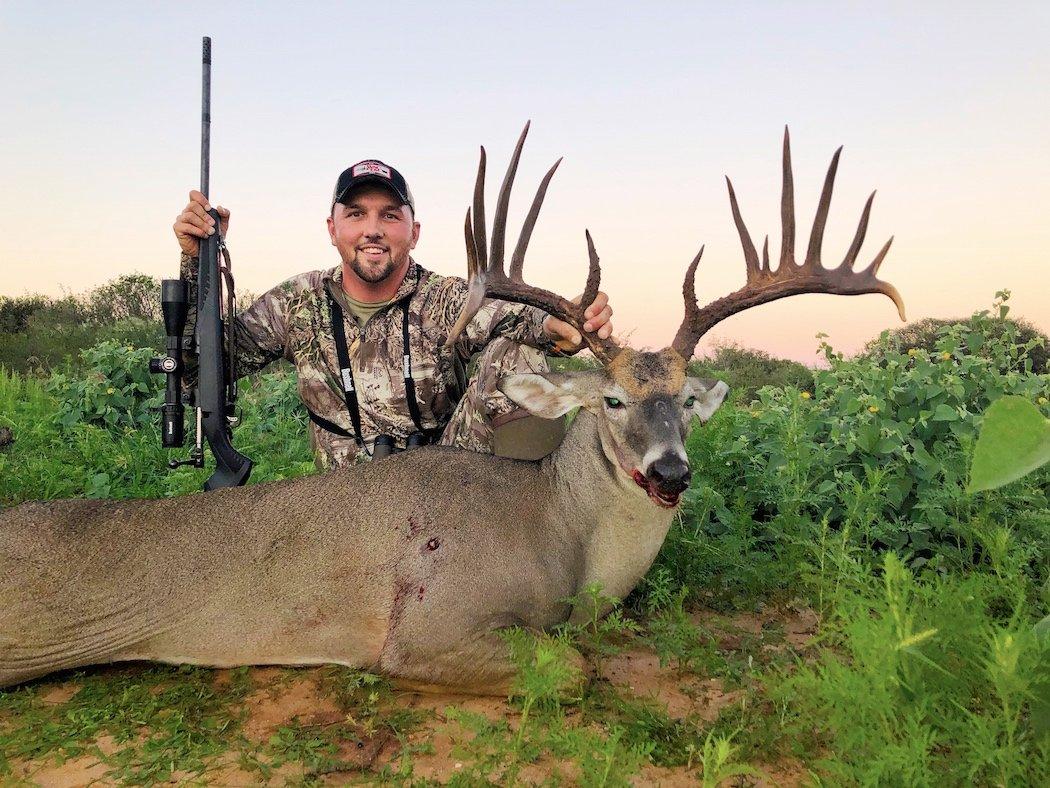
666,478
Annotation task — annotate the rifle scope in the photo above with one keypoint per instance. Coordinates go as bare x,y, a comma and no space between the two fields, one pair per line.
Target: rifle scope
174,303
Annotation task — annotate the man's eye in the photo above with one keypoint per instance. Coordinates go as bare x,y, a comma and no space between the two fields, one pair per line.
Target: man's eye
690,402
612,402
395,217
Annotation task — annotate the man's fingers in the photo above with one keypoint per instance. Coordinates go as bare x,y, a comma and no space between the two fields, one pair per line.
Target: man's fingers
562,329
199,198
191,224
204,222
599,320
597,305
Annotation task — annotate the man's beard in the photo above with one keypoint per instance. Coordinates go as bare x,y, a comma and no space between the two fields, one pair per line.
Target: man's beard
374,275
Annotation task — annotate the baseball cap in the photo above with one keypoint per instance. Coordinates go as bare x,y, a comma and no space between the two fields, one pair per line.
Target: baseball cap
373,171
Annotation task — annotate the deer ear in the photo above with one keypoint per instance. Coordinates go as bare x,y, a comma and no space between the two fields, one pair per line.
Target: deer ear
548,394
709,394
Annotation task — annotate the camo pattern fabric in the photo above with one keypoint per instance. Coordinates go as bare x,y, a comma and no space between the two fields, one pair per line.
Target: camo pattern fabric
292,321
483,406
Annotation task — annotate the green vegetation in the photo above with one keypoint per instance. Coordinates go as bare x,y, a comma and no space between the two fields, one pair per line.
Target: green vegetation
746,371
39,334
925,334
834,606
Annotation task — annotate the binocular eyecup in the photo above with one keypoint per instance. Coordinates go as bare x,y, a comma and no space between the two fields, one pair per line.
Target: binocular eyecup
385,445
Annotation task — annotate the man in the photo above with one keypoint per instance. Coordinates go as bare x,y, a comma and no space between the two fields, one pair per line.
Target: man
406,391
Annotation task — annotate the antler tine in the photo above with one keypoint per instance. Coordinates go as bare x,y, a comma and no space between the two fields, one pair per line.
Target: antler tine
789,279
750,255
480,242
787,207
594,272
816,235
487,275
684,342
858,238
885,287
499,221
473,269
517,260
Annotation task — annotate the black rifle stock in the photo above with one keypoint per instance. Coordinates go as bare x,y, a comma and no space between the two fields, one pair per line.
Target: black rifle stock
215,394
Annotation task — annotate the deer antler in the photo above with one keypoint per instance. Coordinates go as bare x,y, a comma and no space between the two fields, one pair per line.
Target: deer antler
485,269
765,284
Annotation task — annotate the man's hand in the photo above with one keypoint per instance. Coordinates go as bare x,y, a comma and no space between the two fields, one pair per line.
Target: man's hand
194,223
597,316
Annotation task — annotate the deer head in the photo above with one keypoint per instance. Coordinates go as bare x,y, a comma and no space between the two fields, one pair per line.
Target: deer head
645,402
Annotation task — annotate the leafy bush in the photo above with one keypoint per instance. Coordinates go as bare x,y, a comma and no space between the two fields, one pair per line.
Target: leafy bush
15,312
40,334
926,334
115,389
876,457
746,371
133,295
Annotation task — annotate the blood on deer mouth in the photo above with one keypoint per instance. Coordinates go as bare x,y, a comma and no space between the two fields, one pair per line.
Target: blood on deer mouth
655,495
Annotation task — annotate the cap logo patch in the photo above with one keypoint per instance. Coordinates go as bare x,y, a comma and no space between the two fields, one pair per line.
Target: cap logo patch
371,168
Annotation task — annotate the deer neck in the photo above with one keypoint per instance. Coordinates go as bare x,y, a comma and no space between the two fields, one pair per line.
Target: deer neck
619,529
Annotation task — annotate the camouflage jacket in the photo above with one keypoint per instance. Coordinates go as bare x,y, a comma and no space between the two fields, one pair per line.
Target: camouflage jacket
292,321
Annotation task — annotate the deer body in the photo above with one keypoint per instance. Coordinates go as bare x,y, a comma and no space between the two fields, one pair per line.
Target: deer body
412,565
365,566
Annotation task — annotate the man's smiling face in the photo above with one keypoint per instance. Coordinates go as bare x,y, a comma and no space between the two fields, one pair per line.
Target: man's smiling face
373,232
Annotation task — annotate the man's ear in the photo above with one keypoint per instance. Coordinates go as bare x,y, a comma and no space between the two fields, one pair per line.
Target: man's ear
709,394
551,394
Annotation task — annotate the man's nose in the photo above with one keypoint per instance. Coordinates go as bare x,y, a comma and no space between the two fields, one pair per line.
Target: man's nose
373,228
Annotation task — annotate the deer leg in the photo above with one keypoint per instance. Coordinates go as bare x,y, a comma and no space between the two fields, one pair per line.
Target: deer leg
479,665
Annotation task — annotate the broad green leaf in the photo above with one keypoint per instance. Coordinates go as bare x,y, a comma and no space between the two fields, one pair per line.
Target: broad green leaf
1014,440
945,413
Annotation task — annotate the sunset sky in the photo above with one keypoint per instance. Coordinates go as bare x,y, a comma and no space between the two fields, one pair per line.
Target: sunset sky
943,109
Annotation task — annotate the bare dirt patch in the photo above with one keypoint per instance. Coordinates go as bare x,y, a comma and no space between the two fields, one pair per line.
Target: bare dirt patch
435,743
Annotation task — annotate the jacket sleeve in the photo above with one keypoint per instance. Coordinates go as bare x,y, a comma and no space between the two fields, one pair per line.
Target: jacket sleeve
518,322
258,334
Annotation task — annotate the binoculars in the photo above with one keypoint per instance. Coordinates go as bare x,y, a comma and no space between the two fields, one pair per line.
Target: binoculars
386,445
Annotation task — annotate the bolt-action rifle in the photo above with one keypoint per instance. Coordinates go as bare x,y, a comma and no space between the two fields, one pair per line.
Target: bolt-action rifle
215,395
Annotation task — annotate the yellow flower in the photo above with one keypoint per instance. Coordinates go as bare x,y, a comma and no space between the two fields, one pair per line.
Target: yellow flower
946,355
110,390
1042,400
873,409
755,414
913,351
805,395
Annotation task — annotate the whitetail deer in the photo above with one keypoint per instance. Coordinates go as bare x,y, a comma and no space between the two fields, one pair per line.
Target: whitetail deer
409,566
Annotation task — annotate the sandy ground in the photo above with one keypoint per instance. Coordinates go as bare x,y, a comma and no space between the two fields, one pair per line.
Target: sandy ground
280,698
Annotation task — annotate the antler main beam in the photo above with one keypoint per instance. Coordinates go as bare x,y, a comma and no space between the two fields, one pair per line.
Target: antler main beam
485,268
790,278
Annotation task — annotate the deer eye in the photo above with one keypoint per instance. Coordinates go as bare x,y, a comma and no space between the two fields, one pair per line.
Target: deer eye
612,402
690,402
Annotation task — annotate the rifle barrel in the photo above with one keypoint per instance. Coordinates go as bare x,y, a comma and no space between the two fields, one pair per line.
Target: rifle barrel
205,114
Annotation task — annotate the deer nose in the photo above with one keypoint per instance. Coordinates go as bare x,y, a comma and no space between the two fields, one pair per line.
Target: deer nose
670,474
